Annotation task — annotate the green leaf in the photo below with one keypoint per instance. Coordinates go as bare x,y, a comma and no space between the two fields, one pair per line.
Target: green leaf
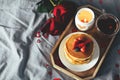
47,6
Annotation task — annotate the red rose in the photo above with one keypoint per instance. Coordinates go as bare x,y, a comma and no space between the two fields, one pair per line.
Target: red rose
62,14
59,12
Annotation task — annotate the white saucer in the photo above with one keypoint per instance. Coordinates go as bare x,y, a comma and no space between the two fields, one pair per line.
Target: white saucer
81,67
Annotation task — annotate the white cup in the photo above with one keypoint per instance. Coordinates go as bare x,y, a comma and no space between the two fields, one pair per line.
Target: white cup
84,19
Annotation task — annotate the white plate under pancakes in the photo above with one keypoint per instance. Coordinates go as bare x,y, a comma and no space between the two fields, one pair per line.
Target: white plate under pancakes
80,67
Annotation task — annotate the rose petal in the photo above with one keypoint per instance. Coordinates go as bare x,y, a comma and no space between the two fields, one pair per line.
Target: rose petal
37,35
118,51
100,1
38,41
56,79
52,24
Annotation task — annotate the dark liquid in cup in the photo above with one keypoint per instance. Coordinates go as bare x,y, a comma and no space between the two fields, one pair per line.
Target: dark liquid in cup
107,25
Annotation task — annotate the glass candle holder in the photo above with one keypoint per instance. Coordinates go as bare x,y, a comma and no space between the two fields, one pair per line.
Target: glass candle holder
84,19
107,24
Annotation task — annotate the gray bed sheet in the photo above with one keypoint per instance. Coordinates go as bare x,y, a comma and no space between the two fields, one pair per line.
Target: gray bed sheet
26,57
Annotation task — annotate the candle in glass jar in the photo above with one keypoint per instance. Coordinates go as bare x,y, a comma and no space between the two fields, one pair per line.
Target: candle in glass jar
84,19
107,24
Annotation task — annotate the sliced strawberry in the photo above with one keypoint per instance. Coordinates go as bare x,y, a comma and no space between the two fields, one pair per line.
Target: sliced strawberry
74,43
87,41
83,49
81,41
81,44
79,38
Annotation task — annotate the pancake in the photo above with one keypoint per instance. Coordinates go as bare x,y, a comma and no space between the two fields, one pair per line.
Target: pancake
79,48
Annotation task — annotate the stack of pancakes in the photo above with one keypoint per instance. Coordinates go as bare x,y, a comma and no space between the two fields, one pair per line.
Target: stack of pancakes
79,48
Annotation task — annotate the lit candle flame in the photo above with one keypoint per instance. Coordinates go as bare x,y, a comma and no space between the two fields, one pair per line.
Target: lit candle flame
85,20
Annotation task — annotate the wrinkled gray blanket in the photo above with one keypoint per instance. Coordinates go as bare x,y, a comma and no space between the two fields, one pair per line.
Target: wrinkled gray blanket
26,57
